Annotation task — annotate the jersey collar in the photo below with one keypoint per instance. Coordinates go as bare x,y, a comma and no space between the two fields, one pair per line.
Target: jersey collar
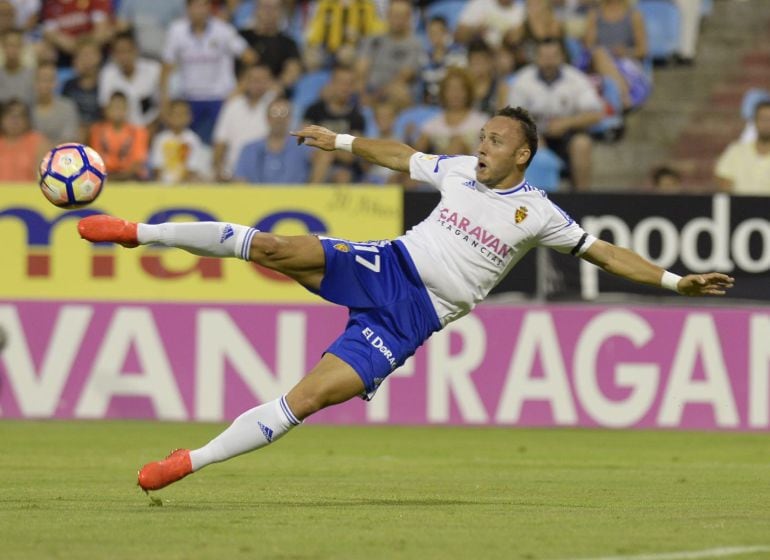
520,186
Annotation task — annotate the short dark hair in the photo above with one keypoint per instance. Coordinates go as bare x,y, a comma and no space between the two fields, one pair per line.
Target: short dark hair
439,19
528,127
761,105
118,95
127,35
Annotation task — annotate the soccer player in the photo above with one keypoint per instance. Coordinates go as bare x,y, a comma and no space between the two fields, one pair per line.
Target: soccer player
398,292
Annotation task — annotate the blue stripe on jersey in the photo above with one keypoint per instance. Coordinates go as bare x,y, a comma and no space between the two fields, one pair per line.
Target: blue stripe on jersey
567,217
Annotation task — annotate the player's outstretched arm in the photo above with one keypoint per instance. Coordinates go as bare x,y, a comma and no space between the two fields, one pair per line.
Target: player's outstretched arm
387,153
627,264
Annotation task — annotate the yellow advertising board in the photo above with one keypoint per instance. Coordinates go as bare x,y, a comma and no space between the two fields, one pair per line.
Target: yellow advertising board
42,256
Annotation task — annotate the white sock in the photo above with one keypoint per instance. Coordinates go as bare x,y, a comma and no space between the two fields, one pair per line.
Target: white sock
253,429
208,239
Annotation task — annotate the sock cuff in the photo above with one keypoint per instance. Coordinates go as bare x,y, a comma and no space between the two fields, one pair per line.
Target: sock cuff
287,411
243,245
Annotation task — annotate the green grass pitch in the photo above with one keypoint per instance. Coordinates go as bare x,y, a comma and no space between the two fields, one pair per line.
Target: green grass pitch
68,491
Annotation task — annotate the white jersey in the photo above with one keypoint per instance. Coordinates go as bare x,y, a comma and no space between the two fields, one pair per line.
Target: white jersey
476,235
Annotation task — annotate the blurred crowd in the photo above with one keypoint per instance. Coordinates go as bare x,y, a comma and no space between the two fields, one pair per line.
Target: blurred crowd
179,91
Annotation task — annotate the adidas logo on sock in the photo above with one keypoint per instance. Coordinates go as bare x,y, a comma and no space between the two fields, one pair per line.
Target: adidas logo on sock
227,233
267,432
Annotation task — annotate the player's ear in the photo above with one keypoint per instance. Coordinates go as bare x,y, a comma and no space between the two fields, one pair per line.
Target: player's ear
522,155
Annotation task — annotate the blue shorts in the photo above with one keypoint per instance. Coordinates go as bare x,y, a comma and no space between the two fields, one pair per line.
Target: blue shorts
391,314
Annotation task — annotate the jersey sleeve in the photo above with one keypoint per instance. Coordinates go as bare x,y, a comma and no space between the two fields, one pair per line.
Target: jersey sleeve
431,169
562,233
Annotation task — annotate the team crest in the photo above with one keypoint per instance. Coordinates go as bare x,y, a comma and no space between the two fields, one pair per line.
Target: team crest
521,214
342,247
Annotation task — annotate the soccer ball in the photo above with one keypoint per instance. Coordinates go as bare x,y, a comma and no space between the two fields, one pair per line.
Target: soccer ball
72,175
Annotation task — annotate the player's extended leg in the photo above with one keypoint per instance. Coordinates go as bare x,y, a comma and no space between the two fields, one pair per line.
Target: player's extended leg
330,382
300,257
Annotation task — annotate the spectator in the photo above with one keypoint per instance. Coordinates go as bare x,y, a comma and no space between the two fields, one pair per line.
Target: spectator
564,102
204,49
149,20
337,110
273,47
26,14
385,118
136,77
492,20
122,145
21,148
277,159
54,116
242,120
82,89
744,167
177,154
66,21
9,25
335,28
666,180
540,23
441,54
16,80
393,57
689,28
483,73
617,40
456,129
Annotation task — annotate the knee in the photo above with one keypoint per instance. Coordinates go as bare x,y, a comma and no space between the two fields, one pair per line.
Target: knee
581,144
265,247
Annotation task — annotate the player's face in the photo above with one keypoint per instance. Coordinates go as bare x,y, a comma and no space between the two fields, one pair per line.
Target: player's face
502,154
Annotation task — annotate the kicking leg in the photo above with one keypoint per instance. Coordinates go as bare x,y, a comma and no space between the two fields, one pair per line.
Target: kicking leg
300,257
330,382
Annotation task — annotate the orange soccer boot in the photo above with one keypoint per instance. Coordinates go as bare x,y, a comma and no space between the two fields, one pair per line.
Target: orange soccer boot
158,474
102,228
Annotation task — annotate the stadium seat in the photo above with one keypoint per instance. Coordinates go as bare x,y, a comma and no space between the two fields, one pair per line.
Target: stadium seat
448,9
410,120
662,21
750,100
307,91
544,170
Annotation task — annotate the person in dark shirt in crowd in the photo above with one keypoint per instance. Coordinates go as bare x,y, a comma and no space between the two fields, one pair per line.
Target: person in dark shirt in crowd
337,110
83,88
274,48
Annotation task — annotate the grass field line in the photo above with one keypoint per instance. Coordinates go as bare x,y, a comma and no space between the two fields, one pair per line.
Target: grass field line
725,552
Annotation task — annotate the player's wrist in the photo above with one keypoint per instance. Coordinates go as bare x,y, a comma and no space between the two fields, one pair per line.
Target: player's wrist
670,281
344,142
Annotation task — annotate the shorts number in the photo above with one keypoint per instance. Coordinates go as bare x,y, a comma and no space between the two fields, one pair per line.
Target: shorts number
374,264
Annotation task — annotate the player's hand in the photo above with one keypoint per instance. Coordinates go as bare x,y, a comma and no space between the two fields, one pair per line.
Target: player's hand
709,284
316,136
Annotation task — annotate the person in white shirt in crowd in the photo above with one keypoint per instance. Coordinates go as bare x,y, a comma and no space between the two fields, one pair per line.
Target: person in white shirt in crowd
178,155
243,119
564,103
149,20
492,20
455,129
203,49
137,77
744,167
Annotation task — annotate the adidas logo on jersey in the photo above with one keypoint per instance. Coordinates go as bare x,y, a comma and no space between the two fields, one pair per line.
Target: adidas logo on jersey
471,184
